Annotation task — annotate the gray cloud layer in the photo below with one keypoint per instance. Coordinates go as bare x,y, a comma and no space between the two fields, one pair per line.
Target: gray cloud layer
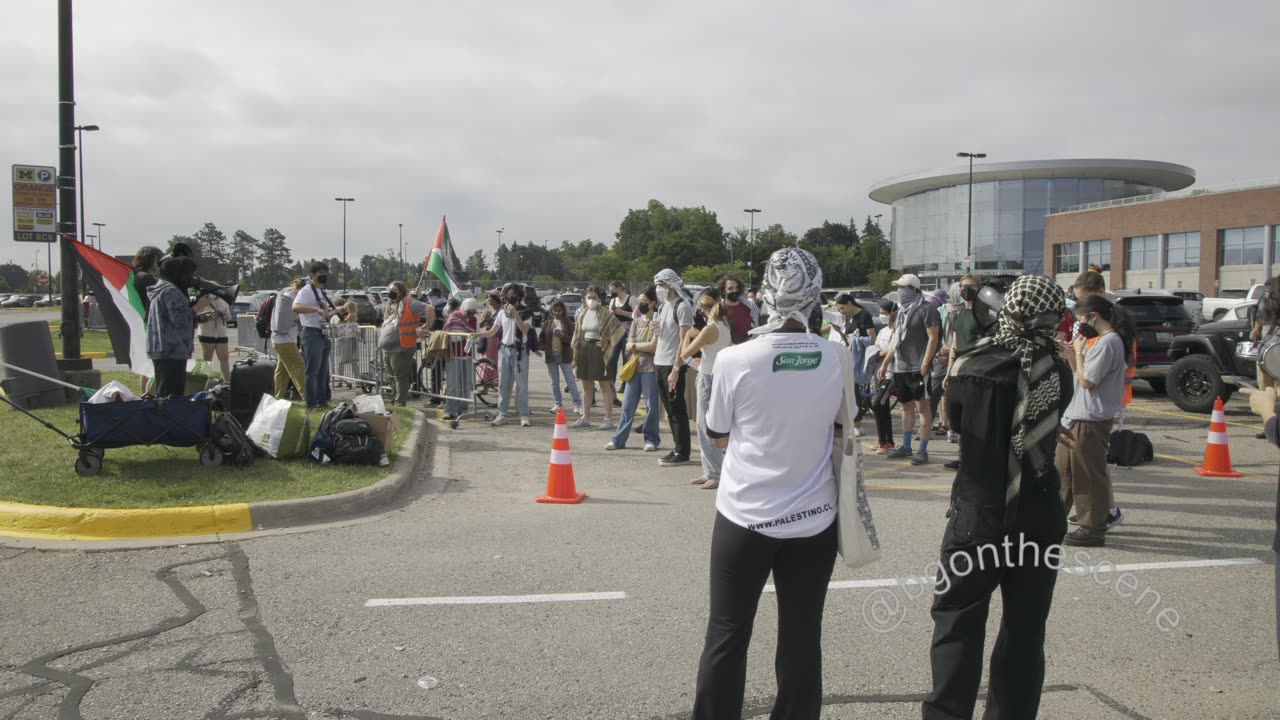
552,119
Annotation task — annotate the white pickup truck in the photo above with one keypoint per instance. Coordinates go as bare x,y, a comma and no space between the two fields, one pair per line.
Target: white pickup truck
1216,307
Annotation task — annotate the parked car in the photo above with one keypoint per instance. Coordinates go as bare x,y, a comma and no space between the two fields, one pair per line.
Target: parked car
572,303
238,309
21,300
1208,364
48,301
1215,308
1160,317
1192,300
365,312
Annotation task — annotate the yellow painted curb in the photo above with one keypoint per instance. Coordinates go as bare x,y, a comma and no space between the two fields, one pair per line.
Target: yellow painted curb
89,355
45,522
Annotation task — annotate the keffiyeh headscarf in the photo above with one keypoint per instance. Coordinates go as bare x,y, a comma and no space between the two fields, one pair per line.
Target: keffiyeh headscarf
669,278
1033,308
791,289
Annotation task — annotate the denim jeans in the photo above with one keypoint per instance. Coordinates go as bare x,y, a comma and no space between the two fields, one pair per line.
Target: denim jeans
646,383
556,368
513,366
460,378
712,456
315,355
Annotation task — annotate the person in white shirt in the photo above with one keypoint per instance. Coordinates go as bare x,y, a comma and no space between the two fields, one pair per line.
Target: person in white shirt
213,314
512,327
284,338
713,338
314,308
675,318
777,404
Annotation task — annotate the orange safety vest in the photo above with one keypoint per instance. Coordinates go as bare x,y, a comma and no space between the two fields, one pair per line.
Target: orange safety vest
408,325
1130,372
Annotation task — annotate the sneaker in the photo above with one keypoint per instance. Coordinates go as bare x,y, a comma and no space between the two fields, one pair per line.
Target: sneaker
898,453
610,446
857,432
884,449
498,421
650,447
606,425
639,428
673,460
1113,519
581,422
617,402
556,409
920,458
953,465
953,437
577,409
524,422
1084,538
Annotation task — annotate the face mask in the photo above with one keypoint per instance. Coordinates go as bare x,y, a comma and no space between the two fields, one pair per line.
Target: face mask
1088,332
908,293
733,296
593,303
322,280
968,294
884,318
644,308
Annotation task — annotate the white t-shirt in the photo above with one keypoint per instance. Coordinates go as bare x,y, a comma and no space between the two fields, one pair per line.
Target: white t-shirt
674,313
778,397
510,329
311,295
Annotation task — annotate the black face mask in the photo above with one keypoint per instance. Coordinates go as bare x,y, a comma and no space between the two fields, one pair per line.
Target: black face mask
644,308
968,294
322,280
1088,332
733,296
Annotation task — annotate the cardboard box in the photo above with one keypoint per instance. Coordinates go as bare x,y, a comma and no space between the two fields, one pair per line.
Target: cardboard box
384,427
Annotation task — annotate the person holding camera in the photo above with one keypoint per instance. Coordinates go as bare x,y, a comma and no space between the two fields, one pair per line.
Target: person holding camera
314,308
213,314
512,327
171,326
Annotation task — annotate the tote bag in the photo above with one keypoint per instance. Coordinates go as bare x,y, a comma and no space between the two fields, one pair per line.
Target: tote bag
856,528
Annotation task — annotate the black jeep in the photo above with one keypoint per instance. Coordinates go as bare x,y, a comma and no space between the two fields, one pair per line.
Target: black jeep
1206,364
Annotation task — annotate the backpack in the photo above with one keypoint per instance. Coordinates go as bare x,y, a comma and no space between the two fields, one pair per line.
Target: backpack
1130,449
229,437
357,449
323,441
263,320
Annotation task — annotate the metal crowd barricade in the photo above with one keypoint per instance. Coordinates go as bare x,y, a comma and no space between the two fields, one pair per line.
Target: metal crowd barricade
344,353
247,339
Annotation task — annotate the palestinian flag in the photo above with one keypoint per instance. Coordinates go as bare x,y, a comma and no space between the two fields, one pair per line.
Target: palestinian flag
442,262
112,284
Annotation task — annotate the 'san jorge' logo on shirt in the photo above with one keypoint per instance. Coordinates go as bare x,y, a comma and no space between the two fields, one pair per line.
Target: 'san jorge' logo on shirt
797,361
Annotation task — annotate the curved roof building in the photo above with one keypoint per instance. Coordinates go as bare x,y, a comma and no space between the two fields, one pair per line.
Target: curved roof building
1010,200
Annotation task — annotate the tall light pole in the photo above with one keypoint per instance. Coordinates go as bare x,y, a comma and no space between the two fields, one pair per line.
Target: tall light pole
80,131
344,202
497,270
99,226
968,252
402,251
751,252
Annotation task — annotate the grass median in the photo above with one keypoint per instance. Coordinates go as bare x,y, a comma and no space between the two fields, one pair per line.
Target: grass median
90,341
37,466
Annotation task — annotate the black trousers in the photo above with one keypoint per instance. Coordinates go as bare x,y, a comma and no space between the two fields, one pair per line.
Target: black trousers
170,379
676,408
884,422
960,611
740,563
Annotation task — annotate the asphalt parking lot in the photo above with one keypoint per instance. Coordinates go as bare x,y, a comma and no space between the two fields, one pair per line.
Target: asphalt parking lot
469,600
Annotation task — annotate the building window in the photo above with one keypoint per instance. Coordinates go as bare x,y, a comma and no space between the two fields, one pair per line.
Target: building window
1144,253
1184,250
1098,253
1068,258
1242,246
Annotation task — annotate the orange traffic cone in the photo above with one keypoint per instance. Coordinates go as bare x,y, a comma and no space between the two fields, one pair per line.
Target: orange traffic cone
1217,455
560,487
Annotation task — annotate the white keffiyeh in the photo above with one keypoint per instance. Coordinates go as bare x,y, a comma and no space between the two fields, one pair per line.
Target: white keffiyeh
791,289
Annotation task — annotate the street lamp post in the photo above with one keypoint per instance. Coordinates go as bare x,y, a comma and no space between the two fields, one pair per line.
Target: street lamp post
99,235
968,252
402,250
751,252
497,270
80,131
344,202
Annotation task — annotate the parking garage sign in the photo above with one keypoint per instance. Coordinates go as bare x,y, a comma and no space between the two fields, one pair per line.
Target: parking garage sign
35,204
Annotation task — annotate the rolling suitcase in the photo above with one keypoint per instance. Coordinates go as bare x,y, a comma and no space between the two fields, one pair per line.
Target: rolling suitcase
250,380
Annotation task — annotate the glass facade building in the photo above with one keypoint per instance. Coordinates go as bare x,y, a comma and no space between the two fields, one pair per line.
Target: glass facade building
1010,201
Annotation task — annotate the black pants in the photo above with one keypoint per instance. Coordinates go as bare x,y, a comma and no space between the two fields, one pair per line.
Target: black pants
170,379
884,422
676,408
740,563
960,613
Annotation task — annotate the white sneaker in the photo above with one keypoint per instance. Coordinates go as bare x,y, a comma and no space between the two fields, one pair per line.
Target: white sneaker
555,409
606,425
577,409
581,422
857,432
500,420
524,422
650,447
610,446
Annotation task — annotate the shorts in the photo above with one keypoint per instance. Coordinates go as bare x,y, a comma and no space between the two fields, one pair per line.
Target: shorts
590,364
909,387
213,340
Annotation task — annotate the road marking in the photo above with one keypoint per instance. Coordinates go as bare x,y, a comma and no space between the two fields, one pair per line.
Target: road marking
496,599
1201,418
1074,570
1194,462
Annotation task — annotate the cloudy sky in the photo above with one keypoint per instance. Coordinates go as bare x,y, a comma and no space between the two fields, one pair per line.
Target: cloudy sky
552,119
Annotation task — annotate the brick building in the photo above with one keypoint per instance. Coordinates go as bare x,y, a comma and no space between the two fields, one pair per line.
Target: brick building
1208,239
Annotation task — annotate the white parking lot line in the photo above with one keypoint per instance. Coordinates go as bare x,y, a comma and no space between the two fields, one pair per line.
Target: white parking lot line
496,599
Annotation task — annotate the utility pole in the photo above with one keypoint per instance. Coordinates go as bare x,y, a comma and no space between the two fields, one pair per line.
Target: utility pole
968,253
752,244
68,224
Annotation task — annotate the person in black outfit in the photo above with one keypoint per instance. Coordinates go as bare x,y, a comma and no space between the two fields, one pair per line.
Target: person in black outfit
1265,405
1006,492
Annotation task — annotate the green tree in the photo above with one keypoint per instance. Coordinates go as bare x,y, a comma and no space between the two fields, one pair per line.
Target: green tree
214,251
601,268
244,253
829,234
881,281
874,252
274,260
13,276
476,266
704,275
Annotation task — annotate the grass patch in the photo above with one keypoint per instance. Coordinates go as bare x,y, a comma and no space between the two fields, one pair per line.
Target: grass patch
91,341
37,466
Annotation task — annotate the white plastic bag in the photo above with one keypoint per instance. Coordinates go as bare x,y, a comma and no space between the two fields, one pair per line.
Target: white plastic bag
267,427
858,542
370,404
114,391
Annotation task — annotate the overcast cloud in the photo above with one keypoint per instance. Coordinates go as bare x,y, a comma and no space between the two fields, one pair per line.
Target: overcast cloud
552,119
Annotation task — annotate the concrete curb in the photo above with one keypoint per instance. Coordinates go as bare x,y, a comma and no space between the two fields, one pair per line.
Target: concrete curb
62,528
